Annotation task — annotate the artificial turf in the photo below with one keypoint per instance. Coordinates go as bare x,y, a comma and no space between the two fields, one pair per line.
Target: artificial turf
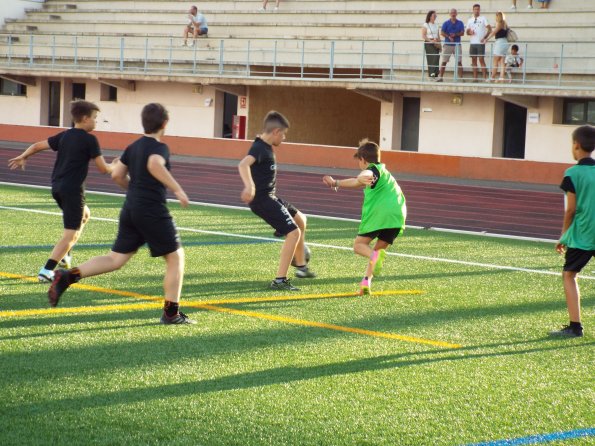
118,377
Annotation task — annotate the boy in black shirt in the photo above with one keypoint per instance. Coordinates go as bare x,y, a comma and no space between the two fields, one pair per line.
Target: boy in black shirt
74,147
144,171
259,174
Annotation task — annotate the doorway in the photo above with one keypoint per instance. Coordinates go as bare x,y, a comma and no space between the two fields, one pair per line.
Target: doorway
54,104
410,125
79,91
230,108
515,129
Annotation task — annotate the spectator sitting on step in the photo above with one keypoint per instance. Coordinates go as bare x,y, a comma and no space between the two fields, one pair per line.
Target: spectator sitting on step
513,62
197,26
529,4
265,2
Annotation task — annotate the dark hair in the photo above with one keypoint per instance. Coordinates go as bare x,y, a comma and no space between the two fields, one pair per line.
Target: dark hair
153,117
476,5
80,109
429,15
368,151
514,47
584,136
274,120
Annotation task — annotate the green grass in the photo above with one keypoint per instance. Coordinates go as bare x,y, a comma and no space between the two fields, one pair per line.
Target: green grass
120,378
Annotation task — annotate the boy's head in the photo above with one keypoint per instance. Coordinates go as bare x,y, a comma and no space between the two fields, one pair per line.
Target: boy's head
514,49
154,118
84,114
583,139
275,127
368,151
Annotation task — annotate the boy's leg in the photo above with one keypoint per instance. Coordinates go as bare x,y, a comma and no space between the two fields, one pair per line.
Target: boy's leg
288,251
172,288
299,256
361,246
375,257
573,296
92,267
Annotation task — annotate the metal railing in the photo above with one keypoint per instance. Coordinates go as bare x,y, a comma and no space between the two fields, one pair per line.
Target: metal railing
565,65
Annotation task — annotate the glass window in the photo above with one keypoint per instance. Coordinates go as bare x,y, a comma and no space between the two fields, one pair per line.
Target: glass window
579,111
12,88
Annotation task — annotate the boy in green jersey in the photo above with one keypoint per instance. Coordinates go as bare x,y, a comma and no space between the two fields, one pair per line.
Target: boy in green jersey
578,228
383,210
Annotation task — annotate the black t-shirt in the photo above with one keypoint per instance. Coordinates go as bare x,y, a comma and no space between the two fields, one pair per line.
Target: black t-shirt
264,169
75,148
144,189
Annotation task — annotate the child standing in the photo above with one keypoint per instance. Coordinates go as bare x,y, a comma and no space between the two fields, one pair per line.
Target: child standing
578,228
144,171
513,61
74,147
383,212
258,171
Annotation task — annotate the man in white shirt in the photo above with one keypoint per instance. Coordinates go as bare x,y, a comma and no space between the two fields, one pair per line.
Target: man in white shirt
478,27
197,25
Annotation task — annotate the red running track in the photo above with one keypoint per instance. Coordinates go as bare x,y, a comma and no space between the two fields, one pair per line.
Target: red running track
495,210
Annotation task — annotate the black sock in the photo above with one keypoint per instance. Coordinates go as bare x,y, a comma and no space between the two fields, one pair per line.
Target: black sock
171,308
280,279
51,264
576,325
301,267
366,278
74,275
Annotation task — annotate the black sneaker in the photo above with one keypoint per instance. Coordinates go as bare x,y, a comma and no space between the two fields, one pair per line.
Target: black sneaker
60,284
568,331
179,318
284,285
304,273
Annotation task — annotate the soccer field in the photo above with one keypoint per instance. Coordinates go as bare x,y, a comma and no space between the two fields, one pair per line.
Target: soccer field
452,350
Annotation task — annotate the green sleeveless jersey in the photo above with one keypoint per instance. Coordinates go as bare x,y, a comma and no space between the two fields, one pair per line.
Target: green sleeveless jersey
581,233
384,203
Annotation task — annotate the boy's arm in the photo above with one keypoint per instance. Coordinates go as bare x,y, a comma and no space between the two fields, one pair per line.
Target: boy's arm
104,167
120,174
569,211
247,194
21,160
365,178
156,167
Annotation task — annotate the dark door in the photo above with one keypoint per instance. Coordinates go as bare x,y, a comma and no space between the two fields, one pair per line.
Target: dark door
515,127
78,91
230,108
54,104
410,125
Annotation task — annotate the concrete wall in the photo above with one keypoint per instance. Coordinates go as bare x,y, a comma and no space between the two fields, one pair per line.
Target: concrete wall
15,9
323,116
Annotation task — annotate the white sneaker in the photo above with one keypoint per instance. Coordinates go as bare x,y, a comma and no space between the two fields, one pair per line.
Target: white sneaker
191,44
261,9
529,6
513,7
45,275
276,8
183,43
66,262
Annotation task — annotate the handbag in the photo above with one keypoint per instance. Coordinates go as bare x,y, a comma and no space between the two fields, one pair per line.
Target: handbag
437,45
511,36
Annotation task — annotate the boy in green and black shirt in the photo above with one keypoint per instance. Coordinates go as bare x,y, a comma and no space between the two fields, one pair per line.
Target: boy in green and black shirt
383,211
578,229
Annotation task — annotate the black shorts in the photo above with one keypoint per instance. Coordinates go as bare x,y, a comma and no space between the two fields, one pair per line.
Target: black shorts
276,212
386,235
72,205
577,259
155,227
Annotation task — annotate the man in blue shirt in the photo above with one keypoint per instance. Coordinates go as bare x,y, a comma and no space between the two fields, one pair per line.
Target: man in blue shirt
452,30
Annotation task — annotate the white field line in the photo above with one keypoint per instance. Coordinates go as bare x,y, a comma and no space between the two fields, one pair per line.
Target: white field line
323,217
322,245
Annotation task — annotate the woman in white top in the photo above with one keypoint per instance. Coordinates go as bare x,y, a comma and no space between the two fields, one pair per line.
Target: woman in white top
500,47
431,37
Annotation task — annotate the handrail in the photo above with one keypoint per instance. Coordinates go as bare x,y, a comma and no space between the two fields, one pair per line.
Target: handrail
554,64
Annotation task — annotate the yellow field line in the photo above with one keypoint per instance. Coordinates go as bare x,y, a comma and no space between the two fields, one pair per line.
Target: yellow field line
210,305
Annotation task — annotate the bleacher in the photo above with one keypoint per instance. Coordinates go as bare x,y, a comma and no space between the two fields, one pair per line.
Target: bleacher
381,39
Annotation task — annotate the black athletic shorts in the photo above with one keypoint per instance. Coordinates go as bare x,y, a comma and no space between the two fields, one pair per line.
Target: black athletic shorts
577,259
72,205
386,235
153,226
276,212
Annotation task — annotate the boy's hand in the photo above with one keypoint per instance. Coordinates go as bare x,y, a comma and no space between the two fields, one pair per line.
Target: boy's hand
181,195
328,180
17,162
561,248
247,194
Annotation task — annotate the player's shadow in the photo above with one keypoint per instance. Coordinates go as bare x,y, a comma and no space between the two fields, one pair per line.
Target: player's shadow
287,374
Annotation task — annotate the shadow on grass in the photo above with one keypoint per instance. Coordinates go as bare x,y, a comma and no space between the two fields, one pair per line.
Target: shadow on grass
286,374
